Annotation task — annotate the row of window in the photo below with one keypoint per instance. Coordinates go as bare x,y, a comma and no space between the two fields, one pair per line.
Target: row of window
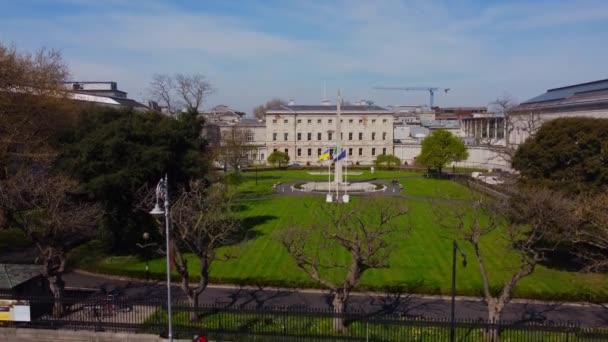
350,151
329,121
329,136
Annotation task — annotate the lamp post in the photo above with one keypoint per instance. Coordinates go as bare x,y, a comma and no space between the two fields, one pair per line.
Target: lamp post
455,248
162,192
144,248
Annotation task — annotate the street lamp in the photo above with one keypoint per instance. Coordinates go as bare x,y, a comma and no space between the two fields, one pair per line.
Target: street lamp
162,192
144,248
455,248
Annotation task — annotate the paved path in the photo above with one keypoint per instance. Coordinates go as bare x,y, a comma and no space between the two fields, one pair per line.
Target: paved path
411,305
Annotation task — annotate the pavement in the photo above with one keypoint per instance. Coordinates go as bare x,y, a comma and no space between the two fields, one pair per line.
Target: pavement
589,315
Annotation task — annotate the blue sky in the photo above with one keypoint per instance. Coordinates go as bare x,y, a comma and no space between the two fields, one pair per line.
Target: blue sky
252,50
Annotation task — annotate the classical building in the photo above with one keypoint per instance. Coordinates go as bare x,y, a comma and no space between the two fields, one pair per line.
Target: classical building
102,94
252,132
304,132
223,113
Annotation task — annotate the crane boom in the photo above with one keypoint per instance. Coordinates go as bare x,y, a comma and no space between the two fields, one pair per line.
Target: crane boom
431,91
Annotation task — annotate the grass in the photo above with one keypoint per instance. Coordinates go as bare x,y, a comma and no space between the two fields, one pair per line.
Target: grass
421,261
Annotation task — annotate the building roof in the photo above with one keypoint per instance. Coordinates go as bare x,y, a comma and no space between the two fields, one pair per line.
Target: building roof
241,123
590,95
328,109
11,275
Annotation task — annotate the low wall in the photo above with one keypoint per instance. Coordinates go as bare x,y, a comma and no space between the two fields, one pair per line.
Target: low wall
28,335
479,157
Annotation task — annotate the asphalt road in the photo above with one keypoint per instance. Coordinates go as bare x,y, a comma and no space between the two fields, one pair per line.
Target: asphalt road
403,304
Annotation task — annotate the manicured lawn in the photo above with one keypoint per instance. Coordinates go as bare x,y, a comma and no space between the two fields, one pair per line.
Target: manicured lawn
420,263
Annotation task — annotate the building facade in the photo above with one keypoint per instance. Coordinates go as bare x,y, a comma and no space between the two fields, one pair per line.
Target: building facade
304,132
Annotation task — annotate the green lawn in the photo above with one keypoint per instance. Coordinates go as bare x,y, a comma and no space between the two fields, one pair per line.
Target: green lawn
420,263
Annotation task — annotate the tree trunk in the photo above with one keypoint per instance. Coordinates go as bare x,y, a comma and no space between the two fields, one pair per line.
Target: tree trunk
495,308
56,285
339,305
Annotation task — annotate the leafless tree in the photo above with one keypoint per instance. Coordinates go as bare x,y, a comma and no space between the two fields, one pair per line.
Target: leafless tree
47,209
526,123
364,230
592,234
33,106
261,109
533,223
235,146
180,91
203,220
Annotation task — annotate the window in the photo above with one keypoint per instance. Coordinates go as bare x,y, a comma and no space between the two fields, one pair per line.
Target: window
299,152
261,156
350,121
274,121
274,136
287,151
254,156
360,120
360,135
249,136
285,121
274,150
373,151
299,136
318,120
330,121
350,136
383,120
384,151
373,120
350,151
329,135
299,121
309,121
310,152
286,136
309,136
360,151
319,136
383,135
373,135
341,136
318,152
341,120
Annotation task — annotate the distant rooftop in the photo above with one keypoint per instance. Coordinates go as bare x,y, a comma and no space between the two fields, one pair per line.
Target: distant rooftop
327,109
11,275
589,95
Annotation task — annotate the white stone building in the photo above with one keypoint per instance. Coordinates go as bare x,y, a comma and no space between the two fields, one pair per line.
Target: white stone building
304,132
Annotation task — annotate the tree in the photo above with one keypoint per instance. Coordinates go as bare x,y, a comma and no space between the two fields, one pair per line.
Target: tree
364,231
260,110
278,157
203,220
388,160
113,152
52,215
570,154
533,223
591,237
235,147
187,92
33,107
441,148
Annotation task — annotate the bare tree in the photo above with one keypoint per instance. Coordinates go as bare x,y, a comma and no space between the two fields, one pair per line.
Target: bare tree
261,109
525,123
180,91
203,220
49,212
592,234
235,146
532,222
364,230
33,106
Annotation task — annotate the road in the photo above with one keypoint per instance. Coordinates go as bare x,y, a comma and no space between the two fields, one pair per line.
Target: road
410,305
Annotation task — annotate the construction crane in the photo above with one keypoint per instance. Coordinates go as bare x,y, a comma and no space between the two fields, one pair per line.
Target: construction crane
431,91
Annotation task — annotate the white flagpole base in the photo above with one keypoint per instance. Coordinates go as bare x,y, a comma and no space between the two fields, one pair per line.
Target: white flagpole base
345,198
328,198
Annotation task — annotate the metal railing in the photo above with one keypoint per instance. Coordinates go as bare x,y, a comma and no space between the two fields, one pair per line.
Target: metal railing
230,322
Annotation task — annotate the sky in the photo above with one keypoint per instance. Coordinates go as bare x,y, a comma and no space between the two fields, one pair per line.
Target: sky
252,51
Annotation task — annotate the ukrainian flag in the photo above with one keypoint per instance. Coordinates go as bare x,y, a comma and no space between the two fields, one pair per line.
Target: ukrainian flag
326,155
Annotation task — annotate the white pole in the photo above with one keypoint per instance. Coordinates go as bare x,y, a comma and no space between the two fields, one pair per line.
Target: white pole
338,177
170,322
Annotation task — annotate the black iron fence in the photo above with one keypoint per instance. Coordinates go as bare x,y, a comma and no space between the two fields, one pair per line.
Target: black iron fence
227,322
